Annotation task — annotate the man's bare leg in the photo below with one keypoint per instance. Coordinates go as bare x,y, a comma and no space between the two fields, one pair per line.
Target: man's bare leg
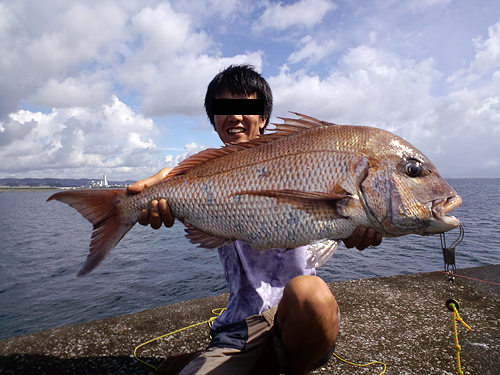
307,319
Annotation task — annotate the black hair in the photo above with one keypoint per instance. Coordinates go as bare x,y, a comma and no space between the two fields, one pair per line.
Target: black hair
240,80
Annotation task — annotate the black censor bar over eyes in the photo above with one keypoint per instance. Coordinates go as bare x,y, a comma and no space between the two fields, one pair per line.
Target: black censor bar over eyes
238,107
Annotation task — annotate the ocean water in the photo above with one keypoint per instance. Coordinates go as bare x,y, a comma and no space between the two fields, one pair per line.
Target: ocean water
43,245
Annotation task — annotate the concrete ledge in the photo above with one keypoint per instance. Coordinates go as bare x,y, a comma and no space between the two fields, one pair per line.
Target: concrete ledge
399,320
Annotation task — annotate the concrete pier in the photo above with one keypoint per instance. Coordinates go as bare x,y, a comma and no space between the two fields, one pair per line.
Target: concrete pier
401,321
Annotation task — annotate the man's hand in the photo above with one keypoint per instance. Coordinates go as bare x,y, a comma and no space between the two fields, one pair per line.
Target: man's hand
362,238
159,211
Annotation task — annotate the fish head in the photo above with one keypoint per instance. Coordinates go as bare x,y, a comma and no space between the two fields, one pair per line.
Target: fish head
405,193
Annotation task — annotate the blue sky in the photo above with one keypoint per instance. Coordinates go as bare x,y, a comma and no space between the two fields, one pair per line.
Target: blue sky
116,87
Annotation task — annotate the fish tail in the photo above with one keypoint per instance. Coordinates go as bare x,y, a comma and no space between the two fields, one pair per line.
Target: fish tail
111,221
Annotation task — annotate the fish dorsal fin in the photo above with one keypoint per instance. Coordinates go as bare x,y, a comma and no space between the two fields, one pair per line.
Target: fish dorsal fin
290,126
303,123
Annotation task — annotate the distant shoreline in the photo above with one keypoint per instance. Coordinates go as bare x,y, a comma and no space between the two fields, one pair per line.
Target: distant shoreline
26,188
47,188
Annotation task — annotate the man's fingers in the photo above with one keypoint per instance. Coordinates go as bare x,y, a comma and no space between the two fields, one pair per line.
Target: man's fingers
154,215
356,237
144,217
377,240
367,239
362,237
157,214
165,213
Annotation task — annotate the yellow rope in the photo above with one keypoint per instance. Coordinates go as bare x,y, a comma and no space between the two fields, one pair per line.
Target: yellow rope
456,317
216,312
365,365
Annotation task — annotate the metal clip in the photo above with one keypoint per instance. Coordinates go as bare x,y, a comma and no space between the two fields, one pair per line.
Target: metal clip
449,252
449,261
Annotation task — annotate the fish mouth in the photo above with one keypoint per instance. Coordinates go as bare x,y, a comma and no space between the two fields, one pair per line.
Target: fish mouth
440,207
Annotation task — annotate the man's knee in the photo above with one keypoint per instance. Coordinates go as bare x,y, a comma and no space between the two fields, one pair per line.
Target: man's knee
309,304
310,294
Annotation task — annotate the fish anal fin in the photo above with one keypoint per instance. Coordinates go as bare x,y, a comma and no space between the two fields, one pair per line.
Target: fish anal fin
202,239
312,202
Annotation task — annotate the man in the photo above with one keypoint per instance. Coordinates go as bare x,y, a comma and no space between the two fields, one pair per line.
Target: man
280,316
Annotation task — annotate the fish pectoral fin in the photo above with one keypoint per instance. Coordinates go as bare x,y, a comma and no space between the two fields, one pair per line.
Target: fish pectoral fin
319,252
202,239
313,202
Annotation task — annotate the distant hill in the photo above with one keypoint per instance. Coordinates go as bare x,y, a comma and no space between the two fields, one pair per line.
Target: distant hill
55,182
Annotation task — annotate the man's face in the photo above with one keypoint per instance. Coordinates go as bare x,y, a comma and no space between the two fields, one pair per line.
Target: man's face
238,128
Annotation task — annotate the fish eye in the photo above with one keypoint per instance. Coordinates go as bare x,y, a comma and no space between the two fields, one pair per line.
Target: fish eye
414,168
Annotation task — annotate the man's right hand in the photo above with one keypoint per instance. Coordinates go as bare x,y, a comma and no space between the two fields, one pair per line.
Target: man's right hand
159,211
362,238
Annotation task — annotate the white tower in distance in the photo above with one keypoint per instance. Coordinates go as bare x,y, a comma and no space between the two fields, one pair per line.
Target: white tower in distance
104,181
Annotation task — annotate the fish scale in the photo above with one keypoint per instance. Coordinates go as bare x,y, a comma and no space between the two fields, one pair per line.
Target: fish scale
287,171
309,181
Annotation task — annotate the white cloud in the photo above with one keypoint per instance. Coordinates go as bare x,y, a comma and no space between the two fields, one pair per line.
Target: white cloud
78,35
369,87
203,12
45,44
378,88
189,150
98,139
380,63
81,91
305,13
486,61
312,51
173,63
419,5
83,52
164,34
488,52
179,87
73,57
